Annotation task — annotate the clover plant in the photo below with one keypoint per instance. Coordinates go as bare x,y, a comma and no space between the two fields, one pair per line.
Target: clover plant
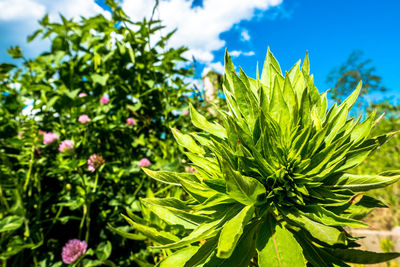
271,186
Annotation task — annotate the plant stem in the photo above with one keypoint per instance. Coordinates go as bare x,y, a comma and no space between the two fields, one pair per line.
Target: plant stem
163,190
82,220
28,175
4,200
95,182
87,223
54,220
138,188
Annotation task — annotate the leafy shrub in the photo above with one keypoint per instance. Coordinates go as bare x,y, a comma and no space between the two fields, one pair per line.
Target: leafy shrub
384,159
271,186
103,98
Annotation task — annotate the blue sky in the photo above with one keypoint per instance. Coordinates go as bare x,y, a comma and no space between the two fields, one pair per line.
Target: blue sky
329,30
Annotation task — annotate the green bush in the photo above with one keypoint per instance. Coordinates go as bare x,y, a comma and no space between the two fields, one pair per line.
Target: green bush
384,159
132,89
271,186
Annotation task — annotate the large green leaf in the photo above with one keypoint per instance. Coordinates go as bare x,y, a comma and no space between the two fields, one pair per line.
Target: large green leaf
232,231
179,258
276,245
359,183
206,163
241,188
173,211
362,257
160,237
215,201
202,232
315,255
128,235
327,234
187,142
268,72
199,191
278,108
351,100
201,122
319,214
245,99
243,253
203,253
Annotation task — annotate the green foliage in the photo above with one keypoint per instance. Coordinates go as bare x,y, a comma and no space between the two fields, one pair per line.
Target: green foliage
48,197
271,186
384,159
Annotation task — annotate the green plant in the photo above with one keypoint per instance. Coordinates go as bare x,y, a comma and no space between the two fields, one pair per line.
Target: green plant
109,70
271,186
384,159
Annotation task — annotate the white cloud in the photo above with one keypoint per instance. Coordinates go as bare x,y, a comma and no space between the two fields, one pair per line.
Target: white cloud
216,66
249,53
236,53
20,9
18,18
73,8
28,10
199,28
245,36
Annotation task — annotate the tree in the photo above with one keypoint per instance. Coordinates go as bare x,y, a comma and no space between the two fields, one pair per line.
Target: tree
346,77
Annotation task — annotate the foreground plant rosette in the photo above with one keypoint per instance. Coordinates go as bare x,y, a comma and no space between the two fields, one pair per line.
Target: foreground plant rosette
271,186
